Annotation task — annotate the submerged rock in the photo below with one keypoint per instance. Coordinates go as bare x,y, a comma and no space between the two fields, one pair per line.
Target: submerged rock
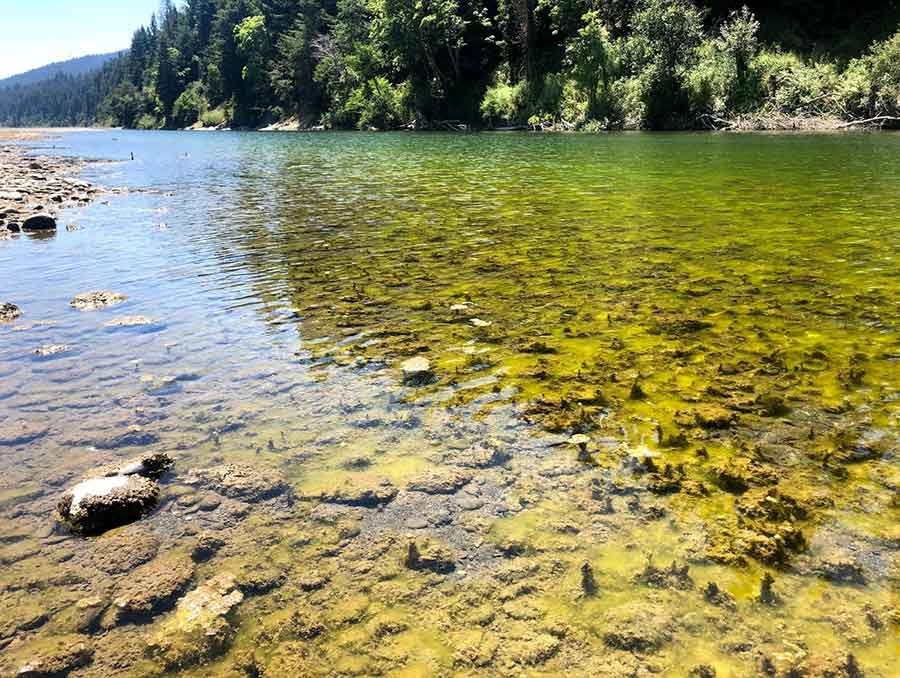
152,587
49,350
244,482
9,312
135,437
713,594
638,627
678,325
123,550
417,372
429,555
202,625
672,577
13,433
93,301
440,482
739,474
130,321
57,656
206,547
358,493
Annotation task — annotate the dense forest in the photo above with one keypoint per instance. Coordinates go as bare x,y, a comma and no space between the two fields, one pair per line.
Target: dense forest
573,64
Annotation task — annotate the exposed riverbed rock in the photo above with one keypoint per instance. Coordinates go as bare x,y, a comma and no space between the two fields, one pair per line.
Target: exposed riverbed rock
417,372
115,495
9,312
98,504
202,625
130,321
50,350
39,222
93,301
357,492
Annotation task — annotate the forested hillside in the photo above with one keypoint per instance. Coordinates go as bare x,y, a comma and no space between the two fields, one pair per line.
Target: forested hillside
79,66
579,64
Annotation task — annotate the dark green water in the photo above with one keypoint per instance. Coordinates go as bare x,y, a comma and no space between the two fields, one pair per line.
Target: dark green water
717,313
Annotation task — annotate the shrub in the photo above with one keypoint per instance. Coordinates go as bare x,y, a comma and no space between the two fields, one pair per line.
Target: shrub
213,118
380,104
147,121
189,106
795,87
503,103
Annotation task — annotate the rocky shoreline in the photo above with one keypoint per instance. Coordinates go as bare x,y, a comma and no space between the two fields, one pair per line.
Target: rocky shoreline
37,188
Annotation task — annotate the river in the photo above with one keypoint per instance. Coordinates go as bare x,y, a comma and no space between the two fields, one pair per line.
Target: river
654,362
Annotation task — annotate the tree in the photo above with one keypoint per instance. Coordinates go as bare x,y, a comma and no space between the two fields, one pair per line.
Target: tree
592,61
665,36
252,41
738,41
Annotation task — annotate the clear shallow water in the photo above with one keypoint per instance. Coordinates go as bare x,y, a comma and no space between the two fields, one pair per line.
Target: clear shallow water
755,275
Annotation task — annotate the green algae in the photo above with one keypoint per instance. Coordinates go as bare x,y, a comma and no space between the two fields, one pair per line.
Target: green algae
717,316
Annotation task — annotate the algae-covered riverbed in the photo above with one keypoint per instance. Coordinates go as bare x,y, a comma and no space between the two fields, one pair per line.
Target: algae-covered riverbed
644,375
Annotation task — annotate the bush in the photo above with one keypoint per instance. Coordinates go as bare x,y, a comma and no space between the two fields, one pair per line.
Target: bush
884,66
147,121
189,106
503,104
213,118
795,87
380,104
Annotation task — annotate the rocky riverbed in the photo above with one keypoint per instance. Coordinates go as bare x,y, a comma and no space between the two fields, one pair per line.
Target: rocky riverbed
657,473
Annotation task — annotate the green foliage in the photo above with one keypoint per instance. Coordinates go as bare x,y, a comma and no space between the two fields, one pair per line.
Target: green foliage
213,118
503,104
883,64
587,64
147,121
189,106
380,104
794,86
662,49
593,59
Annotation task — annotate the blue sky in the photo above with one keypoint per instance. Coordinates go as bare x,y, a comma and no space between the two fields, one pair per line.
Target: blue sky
38,32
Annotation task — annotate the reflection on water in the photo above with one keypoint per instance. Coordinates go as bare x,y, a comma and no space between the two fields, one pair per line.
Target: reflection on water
716,314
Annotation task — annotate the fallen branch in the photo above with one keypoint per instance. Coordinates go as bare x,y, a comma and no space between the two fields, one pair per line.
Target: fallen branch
713,120
869,121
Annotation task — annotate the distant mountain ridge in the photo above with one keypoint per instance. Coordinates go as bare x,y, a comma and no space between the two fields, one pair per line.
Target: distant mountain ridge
78,66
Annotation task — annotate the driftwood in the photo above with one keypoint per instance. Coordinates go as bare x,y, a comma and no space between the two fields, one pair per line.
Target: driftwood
879,119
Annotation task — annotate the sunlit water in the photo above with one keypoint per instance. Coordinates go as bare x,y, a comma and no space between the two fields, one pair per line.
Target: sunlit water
695,300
